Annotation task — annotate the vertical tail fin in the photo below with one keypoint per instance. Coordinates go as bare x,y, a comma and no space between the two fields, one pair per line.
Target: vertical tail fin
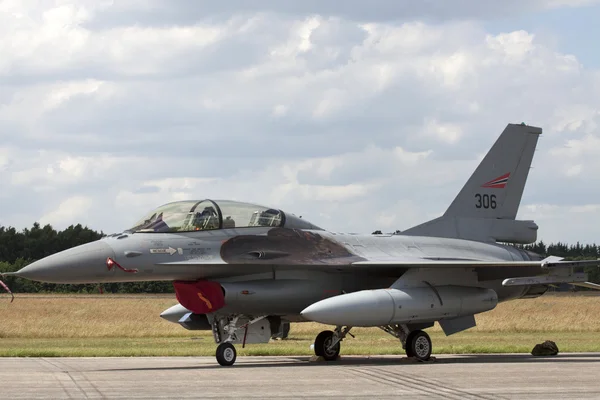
486,207
501,174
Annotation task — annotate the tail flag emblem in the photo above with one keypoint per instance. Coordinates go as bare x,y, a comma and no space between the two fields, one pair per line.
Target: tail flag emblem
498,183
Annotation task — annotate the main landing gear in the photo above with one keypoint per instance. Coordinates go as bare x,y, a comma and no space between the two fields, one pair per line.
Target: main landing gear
417,343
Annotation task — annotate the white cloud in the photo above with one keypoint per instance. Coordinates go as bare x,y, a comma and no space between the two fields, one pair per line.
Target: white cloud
569,3
56,171
576,118
447,133
280,110
565,223
586,209
574,170
359,118
542,210
69,91
5,158
157,11
409,158
575,148
73,210
514,45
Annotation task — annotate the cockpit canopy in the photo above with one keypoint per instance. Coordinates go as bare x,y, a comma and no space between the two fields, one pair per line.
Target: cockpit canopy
201,215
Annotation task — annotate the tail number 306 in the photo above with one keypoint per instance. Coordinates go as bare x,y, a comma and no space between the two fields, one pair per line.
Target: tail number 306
485,201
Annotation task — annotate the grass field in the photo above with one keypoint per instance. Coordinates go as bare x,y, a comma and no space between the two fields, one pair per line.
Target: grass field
87,325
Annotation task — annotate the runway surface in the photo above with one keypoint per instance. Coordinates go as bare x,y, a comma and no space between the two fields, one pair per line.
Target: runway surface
567,376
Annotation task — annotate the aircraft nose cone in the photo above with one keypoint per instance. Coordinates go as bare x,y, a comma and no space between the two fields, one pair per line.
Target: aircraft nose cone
81,264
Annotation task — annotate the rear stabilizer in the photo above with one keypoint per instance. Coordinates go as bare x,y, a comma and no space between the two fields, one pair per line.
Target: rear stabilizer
486,207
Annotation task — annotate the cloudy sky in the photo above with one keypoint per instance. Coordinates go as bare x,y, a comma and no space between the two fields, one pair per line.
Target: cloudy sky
356,115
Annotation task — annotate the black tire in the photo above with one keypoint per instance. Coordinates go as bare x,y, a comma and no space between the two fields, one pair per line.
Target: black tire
226,354
419,345
322,343
407,347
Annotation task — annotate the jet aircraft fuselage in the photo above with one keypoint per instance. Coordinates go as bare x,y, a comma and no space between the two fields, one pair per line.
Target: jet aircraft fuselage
314,260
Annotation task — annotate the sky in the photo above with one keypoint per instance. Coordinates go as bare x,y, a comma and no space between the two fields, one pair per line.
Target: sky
358,117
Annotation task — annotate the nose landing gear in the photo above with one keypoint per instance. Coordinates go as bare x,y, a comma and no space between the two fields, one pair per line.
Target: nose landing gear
225,332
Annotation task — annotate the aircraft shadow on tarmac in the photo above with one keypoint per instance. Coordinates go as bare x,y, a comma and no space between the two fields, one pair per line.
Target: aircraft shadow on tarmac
377,361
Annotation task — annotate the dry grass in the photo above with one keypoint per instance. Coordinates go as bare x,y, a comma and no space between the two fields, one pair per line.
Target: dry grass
545,314
85,316
86,325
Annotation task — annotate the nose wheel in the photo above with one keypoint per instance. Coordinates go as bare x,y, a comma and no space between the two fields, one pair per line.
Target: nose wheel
225,330
226,354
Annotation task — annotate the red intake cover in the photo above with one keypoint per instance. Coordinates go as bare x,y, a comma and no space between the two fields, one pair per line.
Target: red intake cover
200,297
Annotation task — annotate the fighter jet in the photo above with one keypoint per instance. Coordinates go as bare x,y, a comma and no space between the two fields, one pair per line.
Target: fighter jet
242,270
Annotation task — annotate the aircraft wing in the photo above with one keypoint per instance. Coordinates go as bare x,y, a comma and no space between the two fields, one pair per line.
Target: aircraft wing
550,262
380,265
588,285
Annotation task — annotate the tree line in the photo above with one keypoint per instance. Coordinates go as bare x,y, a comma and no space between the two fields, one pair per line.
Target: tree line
19,248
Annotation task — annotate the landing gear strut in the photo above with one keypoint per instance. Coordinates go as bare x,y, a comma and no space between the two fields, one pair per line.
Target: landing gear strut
417,344
327,343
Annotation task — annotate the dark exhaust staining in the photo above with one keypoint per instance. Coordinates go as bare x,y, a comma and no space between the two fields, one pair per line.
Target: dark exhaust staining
292,246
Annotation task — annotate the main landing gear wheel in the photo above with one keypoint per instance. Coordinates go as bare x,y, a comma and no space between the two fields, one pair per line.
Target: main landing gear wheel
418,345
322,344
226,354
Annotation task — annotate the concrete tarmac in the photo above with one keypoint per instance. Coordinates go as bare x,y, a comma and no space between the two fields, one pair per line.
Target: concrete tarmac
517,376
